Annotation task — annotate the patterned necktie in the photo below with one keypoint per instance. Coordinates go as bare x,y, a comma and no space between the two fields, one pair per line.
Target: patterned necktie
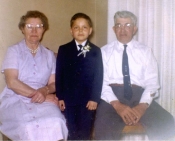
126,77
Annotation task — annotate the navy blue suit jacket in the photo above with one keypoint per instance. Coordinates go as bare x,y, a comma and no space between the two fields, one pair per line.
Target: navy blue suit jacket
78,78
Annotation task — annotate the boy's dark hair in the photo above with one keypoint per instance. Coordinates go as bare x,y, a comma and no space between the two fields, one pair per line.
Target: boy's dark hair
80,15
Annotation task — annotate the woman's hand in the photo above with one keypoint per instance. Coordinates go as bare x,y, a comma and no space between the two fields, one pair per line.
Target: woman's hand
52,98
39,95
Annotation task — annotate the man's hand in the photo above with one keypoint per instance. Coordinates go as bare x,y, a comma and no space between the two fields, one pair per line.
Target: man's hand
91,105
128,115
140,109
61,105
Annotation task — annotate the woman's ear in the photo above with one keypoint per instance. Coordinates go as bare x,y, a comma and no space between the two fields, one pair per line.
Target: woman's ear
22,30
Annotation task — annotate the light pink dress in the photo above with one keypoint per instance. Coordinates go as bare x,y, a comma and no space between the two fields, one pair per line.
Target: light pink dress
19,118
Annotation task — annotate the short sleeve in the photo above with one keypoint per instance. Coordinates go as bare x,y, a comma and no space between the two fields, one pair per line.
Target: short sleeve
11,59
53,63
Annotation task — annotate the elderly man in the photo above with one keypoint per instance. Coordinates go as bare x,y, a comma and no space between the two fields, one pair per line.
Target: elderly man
129,87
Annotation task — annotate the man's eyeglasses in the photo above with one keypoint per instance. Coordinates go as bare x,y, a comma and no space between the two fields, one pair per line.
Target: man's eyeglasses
31,26
126,26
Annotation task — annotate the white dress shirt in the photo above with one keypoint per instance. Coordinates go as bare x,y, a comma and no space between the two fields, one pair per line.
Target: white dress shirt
83,44
142,68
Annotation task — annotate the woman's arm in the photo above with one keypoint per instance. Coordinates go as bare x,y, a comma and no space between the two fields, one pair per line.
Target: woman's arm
50,97
41,93
13,83
51,84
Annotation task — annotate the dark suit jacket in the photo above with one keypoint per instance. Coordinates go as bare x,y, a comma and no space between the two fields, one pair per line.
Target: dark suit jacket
78,78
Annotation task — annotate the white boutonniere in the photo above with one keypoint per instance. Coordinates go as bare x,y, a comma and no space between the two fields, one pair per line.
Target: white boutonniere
85,50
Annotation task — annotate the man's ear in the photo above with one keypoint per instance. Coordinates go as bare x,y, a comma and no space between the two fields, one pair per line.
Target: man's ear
135,30
113,28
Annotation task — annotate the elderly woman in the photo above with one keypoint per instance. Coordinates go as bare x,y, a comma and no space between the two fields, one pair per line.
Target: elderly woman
28,109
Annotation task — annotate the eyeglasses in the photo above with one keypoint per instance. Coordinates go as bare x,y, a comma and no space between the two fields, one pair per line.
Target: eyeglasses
31,26
126,26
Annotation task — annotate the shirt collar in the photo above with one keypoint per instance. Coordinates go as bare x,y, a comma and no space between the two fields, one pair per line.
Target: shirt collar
129,44
83,44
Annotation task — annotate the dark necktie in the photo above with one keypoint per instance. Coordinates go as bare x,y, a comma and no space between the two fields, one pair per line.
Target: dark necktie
80,47
126,77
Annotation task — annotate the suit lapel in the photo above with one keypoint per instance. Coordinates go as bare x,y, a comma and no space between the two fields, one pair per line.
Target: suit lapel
72,50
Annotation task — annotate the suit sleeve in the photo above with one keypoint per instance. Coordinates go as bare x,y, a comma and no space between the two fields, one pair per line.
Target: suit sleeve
59,74
98,78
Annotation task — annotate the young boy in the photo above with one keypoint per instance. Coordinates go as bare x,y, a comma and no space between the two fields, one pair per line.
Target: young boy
79,74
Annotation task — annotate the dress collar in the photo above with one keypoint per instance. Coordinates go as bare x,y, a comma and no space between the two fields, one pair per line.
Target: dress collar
28,51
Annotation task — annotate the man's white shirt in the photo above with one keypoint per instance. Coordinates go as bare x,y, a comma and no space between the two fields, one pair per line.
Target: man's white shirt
142,68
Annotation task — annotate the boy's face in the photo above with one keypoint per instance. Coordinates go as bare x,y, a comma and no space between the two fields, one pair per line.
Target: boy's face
80,30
